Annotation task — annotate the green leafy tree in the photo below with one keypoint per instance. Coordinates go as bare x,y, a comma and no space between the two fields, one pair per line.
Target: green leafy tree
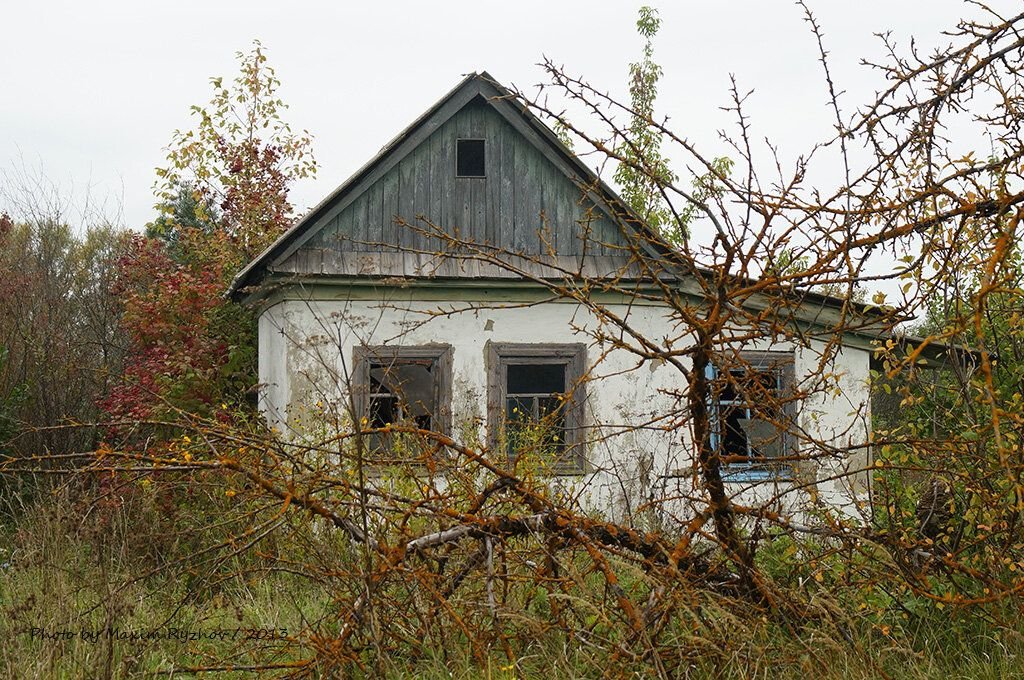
223,199
189,211
240,159
645,172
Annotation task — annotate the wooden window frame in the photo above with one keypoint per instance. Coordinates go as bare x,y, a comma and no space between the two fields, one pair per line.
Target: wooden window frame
456,157
441,356
574,357
760,470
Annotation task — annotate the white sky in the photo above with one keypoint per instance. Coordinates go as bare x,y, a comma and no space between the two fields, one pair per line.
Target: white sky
90,92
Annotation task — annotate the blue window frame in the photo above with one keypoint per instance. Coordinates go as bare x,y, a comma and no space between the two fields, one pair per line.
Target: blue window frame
751,413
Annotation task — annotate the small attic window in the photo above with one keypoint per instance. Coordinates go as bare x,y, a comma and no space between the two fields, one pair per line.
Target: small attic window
469,158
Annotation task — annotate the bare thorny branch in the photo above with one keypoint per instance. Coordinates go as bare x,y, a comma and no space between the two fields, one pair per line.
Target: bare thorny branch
455,531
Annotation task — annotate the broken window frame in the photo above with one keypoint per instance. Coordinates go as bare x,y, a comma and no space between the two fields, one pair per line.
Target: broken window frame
365,358
572,356
781,367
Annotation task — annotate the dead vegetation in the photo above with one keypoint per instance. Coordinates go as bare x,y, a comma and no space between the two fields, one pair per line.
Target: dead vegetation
450,558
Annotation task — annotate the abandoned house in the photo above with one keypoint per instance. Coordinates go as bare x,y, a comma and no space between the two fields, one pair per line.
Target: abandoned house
440,286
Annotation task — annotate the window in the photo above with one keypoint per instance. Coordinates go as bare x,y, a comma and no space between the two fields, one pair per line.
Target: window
535,403
751,414
408,386
469,158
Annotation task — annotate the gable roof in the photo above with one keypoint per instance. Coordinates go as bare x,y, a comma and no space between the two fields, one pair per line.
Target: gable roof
483,87
474,87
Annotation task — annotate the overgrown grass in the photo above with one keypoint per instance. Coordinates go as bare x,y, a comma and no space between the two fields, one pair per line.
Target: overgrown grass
77,602
950,650
64,572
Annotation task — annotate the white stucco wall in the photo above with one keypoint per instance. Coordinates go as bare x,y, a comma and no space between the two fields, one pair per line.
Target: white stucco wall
305,352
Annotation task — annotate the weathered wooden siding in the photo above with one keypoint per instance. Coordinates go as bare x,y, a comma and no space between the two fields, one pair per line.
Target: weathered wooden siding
526,205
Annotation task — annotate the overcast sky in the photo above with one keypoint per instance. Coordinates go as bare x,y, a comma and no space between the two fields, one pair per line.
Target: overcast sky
90,92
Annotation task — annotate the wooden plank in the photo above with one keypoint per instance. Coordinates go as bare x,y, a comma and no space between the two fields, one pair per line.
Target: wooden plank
440,182
389,209
494,134
374,214
403,264
303,262
330,261
570,211
504,233
366,263
604,266
468,268
587,232
554,202
516,240
548,221
528,197
567,263
406,202
598,235
462,208
359,230
421,160
477,212
343,232
427,264
388,264
443,267
287,266
440,264
345,263
327,237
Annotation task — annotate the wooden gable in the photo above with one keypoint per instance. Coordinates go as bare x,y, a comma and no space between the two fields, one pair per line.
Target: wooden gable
536,205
